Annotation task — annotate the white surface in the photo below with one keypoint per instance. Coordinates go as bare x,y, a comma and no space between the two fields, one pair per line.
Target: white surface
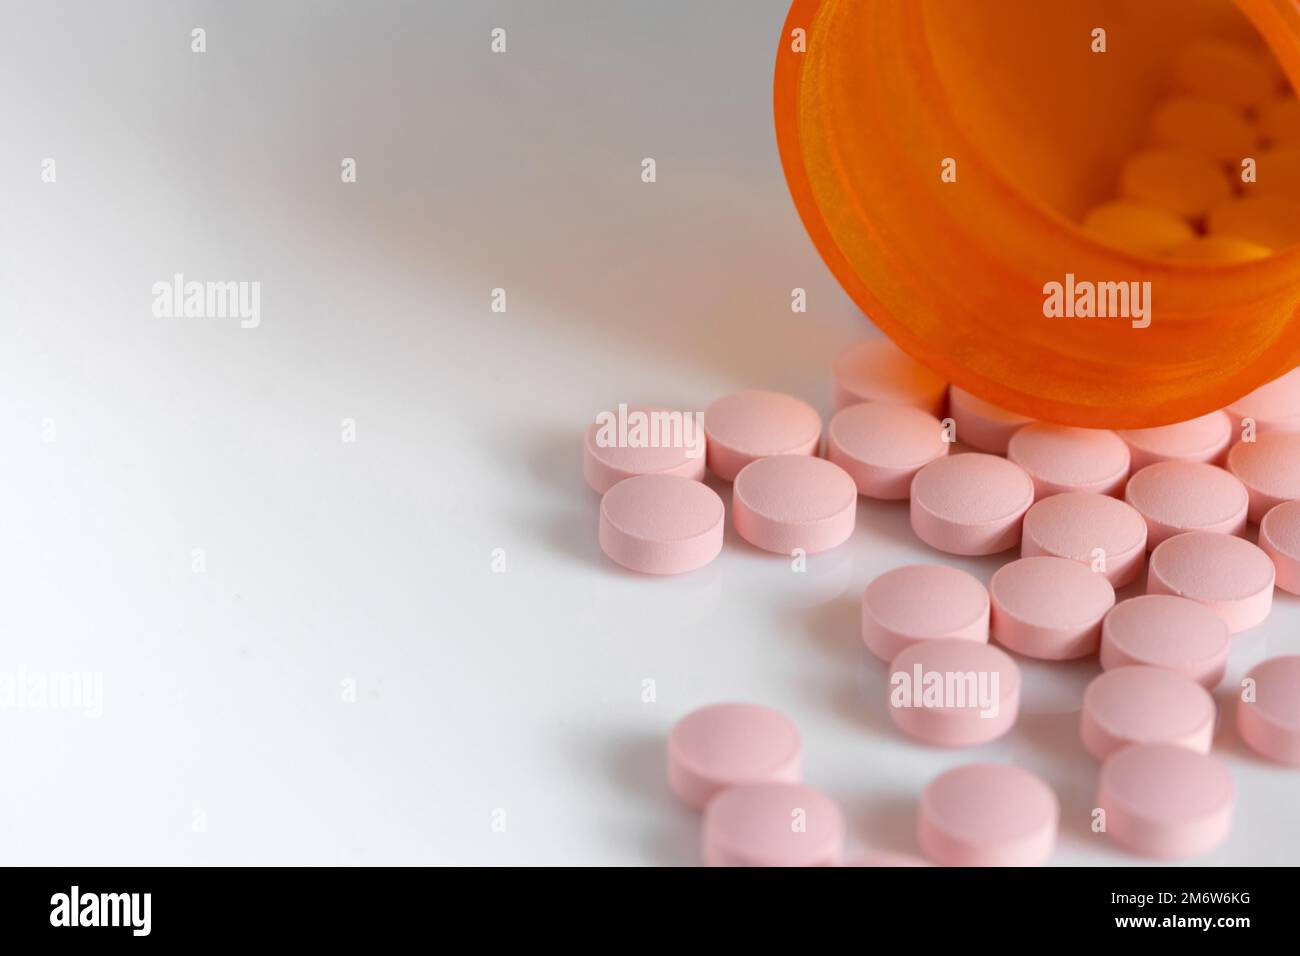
370,561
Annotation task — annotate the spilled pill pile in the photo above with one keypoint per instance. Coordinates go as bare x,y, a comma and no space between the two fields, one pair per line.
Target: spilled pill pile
1074,514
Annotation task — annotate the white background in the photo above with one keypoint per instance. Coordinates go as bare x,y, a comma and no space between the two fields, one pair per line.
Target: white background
224,738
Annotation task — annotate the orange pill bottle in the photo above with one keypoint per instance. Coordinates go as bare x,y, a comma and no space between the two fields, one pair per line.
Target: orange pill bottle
941,154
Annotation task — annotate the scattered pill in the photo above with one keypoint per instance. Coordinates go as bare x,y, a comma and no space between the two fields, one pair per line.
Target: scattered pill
746,426
1225,70
1199,439
988,814
608,457
954,693
983,425
1165,801
1176,180
1162,630
883,446
1049,608
1062,458
1227,574
1269,467
1212,128
970,503
1277,173
920,602
773,824
661,524
1269,723
1268,221
730,745
1279,538
793,502
885,858
1145,705
879,371
1279,121
1137,227
1274,407
1178,496
1218,251
1103,533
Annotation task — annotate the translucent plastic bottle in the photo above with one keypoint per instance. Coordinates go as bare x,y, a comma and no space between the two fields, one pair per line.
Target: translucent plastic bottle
942,154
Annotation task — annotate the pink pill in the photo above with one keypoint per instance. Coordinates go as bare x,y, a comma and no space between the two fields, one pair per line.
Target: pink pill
879,371
988,814
1165,801
1279,538
983,425
885,858
883,446
1269,467
1161,630
1062,458
1049,608
954,693
747,426
729,745
794,501
970,504
773,824
1145,705
1178,496
1229,575
661,524
1199,439
610,454
920,602
1270,723
1096,530
1274,407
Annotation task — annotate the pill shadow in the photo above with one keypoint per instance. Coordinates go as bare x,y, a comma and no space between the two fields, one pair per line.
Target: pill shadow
1065,764
833,628
884,821
554,459
637,768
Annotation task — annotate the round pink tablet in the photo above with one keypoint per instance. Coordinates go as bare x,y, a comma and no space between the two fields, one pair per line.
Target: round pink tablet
1165,801
1179,496
1145,705
954,693
773,824
1096,530
794,501
1269,467
1270,723
983,425
1279,538
885,858
879,371
919,602
1229,575
970,503
883,446
1274,407
1199,439
672,447
661,524
747,426
729,745
1049,608
1062,458
988,814
1161,630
